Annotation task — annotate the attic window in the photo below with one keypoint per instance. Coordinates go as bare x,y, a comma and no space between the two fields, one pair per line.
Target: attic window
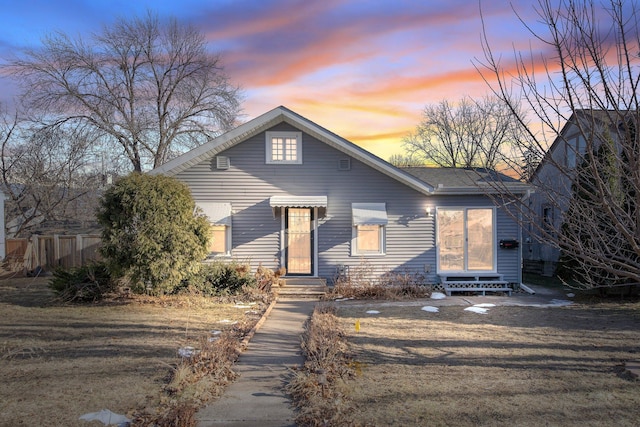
344,164
222,162
284,147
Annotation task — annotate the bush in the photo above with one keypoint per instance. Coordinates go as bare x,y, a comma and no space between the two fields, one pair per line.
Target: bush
150,233
363,283
406,284
87,283
320,388
266,278
223,278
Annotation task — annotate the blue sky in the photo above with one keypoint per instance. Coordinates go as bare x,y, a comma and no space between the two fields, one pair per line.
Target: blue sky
363,69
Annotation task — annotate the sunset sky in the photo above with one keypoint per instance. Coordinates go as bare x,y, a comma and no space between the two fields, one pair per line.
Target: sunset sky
363,69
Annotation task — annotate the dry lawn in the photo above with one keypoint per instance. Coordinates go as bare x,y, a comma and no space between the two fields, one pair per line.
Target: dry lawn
513,366
58,362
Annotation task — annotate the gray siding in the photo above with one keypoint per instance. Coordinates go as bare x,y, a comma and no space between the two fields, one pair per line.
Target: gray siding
250,182
509,260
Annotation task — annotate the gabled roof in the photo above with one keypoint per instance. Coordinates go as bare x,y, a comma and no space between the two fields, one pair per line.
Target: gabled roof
466,180
426,180
605,118
279,115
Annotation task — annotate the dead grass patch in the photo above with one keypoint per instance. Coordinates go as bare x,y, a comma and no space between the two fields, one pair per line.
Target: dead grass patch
62,361
513,366
319,388
378,292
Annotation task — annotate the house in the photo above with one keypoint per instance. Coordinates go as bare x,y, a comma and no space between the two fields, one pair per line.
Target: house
583,132
282,191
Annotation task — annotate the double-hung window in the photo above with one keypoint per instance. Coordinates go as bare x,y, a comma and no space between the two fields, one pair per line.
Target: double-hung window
547,217
575,150
219,216
283,147
369,227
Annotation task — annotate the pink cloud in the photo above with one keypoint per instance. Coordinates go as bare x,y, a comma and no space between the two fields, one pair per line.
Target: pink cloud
271,47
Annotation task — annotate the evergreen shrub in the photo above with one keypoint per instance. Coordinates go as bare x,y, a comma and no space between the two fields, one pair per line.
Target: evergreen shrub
82,284
220,278
151,232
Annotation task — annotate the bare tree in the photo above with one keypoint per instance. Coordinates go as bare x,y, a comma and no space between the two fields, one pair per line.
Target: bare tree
401,160
586,74
469,134
530,160
152,89
45,172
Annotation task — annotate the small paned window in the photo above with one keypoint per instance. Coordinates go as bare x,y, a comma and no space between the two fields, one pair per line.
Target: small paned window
284,147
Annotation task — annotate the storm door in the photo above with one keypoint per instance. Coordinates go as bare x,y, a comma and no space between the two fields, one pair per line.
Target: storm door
299,241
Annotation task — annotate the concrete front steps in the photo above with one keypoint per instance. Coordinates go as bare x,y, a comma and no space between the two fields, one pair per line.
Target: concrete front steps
301,287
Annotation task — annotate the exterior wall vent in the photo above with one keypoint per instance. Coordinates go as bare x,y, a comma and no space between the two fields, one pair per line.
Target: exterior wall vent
222,162
344,164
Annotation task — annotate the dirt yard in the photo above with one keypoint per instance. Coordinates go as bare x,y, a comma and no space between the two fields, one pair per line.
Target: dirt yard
513,365
58,362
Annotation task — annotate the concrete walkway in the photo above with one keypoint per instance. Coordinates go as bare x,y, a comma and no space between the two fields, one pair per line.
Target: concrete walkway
257,397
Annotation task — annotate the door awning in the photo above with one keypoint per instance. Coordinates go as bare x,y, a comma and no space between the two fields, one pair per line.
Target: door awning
298,201
369,213
217,213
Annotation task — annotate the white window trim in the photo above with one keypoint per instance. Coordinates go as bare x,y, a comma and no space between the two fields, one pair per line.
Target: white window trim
369,214
283,134
382,236
494,270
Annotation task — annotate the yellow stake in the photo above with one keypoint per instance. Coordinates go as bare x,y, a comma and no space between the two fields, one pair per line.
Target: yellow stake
358,325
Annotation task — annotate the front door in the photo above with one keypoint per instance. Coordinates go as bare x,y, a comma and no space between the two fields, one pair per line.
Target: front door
299,241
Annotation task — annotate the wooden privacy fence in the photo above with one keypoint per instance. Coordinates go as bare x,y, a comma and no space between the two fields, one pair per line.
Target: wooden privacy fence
48,252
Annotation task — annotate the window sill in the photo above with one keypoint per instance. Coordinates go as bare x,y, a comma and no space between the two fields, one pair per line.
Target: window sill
284,163
218,256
